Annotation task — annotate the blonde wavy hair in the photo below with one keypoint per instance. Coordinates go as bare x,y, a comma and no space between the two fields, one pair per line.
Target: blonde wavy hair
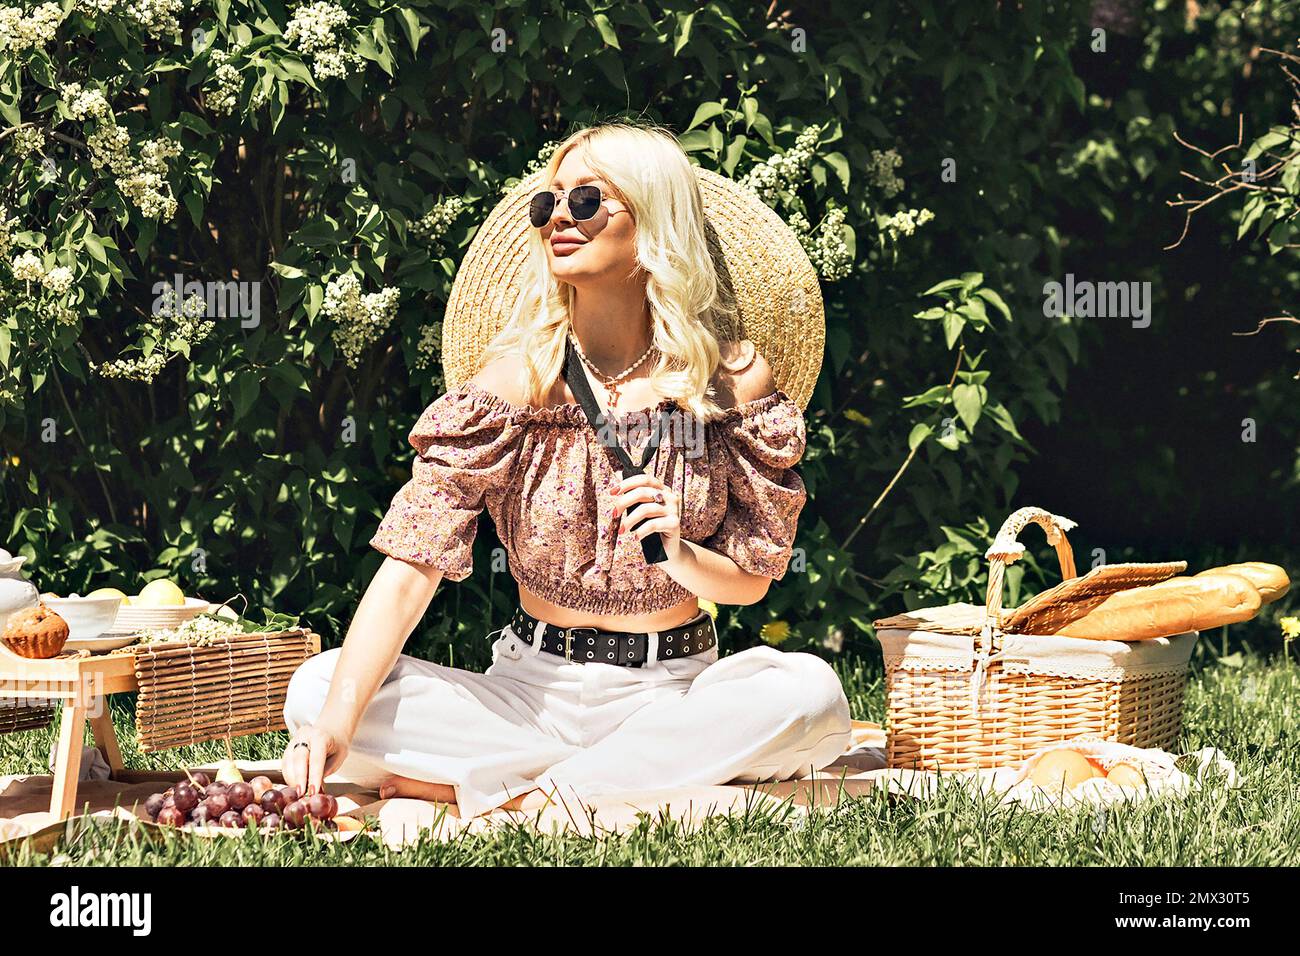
648,171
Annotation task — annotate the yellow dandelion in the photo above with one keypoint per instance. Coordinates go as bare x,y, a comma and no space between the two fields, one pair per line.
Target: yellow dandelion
775,632
710,607
1290,627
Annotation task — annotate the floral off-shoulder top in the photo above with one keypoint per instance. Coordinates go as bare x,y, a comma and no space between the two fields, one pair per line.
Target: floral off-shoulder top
545,479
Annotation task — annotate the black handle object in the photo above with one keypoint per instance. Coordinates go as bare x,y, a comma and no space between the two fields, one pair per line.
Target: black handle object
652,545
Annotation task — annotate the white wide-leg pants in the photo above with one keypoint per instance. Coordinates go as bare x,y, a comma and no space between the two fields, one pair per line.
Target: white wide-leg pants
534,719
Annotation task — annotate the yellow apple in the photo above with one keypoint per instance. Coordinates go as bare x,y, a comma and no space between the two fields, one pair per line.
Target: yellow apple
160,593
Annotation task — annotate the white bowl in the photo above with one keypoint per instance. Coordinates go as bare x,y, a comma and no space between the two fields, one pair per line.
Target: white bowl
87,617
132,618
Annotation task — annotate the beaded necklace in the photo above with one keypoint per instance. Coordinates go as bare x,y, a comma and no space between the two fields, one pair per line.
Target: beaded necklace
609,382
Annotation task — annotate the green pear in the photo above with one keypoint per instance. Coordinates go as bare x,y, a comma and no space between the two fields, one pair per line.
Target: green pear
228,772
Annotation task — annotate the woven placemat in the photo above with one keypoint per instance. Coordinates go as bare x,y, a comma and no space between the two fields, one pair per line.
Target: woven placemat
233,686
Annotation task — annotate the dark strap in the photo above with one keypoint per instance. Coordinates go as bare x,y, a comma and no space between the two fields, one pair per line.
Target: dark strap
652,545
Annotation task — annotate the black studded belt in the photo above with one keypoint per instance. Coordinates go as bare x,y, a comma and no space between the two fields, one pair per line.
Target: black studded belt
590,645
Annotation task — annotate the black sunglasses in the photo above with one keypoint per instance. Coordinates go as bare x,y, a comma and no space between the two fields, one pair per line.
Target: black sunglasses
584,202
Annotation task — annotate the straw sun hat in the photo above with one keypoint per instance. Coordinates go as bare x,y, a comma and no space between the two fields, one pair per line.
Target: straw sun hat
759,257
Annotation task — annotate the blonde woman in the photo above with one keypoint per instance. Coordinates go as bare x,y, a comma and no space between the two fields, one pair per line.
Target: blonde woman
607,676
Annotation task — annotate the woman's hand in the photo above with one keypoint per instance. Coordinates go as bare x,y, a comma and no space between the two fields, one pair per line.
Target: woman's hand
313,754
658,508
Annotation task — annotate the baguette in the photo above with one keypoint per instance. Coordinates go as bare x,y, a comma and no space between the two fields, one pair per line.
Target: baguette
1171,607
1270,580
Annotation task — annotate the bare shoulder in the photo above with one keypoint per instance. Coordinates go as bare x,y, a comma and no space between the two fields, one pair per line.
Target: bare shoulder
503,377
744,374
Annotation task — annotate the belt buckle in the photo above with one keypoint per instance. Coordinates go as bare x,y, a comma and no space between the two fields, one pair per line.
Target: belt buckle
568,639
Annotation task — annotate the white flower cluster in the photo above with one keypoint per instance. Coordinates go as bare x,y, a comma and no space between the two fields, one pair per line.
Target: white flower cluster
142,179
173,329
58,280
904,223
880,172
359,319
159,18
201,630
19,32
543,157
315,29
6,231
85,104
223,96
786,171
434,223
27,267
110,146
27,140
825,246
429,345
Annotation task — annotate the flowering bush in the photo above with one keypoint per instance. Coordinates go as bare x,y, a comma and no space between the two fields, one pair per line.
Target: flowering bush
228,229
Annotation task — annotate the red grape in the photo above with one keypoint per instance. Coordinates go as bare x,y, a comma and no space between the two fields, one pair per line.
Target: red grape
295,814
200,779
260,785
271,821
171,817
185,798
273,801
201,815
318,805
240,795
217,804
154,804
290,794
230,819
253,814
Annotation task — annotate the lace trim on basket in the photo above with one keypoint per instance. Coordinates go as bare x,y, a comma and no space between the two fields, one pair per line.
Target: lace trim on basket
1015,666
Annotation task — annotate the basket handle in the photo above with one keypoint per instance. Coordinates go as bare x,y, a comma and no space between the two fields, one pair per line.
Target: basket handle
1006,549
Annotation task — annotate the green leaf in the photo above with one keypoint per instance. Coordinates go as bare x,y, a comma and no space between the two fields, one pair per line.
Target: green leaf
410,22
944,286
606,31
953,323
289,272
1002,418
683,31
969,401
920,433
840,163
705,112
995,300
244,391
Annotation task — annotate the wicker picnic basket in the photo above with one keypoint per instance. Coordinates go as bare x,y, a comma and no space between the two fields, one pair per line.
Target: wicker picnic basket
968,688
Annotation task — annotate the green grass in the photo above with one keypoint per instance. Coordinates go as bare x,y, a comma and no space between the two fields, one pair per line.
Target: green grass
1244,710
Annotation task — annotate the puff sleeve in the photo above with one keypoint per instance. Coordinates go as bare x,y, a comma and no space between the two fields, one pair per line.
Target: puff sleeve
760,443
466,443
